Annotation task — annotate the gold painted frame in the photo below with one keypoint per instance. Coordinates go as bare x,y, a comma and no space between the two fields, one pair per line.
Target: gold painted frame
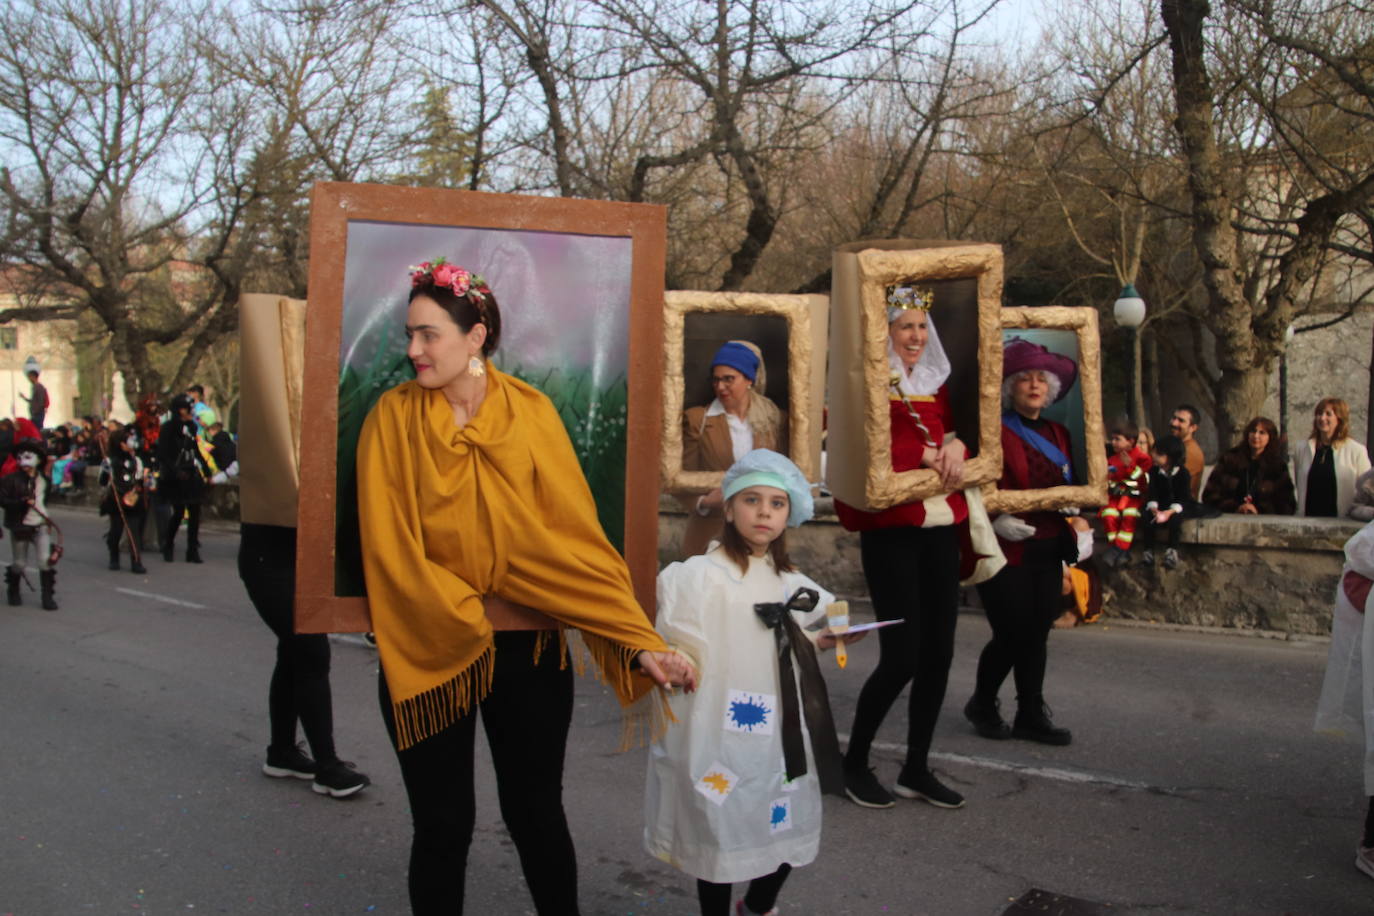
876,266
1083,322
807,318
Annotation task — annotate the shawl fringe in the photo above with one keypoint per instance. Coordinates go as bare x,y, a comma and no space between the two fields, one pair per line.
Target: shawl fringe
429,713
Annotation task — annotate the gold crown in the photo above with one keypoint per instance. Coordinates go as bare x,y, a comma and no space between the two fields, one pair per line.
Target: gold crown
910,297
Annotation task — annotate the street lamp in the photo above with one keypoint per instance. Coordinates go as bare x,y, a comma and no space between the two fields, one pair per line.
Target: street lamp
1129,311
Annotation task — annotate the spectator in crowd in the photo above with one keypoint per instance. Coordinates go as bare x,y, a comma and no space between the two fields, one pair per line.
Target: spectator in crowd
201,412
1328,462
1128,469
37,397
223,450
1169,501
1183,424
1145,440
1252,478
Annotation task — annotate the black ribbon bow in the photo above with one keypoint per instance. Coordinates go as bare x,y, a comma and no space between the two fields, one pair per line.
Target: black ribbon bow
815,701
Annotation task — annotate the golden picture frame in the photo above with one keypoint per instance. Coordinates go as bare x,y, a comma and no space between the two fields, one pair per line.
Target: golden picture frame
968,282
1085,417
806,319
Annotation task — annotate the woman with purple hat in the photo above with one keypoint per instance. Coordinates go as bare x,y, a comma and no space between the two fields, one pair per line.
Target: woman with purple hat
1023,600
714,437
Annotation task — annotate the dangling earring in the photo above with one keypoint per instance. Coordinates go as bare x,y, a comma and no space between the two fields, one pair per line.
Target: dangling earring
476,368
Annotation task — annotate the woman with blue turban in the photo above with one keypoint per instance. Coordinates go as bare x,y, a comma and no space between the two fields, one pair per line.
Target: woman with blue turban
739,420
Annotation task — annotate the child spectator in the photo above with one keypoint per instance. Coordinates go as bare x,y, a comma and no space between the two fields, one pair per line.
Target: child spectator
1127,478
1170,500
734,788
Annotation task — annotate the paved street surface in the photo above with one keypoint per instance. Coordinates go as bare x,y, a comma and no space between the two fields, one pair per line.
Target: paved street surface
133,723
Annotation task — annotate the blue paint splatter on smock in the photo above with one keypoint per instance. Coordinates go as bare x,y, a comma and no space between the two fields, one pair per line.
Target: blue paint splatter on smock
779,815
748,714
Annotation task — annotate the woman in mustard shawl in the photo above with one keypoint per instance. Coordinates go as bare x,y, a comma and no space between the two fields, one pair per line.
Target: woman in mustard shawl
468,487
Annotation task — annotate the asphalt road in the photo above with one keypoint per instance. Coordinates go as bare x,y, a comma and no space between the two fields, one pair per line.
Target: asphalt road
133,722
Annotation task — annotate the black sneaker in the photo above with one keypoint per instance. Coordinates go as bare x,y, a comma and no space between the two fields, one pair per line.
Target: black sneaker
1171,559
926,787
1035,725
340,779
291,762
1147,558
987,719
863,788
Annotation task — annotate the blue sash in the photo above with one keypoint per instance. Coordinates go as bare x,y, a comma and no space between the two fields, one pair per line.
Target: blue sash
1012,421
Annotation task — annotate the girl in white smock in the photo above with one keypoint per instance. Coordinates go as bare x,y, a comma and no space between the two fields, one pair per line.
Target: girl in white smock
718,802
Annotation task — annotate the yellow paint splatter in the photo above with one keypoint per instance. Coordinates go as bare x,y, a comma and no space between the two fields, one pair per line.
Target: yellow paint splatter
718,782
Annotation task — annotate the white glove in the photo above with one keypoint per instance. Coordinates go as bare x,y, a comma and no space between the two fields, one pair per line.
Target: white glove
1085,545
1011,528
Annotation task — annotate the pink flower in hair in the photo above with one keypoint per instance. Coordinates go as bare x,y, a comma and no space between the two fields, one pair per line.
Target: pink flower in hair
460,282
419,274
443,274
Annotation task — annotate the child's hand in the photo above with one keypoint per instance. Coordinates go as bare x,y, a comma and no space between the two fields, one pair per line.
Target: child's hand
668,670
827,640
1163,515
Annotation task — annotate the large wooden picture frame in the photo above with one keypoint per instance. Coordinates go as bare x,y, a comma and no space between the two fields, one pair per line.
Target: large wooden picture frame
806,317
1080,409
564,272
860,460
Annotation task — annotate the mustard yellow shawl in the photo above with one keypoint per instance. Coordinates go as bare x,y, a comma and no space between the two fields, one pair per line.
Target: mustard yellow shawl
499,507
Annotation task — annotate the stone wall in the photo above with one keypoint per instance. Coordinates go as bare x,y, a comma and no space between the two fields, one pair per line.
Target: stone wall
1238,571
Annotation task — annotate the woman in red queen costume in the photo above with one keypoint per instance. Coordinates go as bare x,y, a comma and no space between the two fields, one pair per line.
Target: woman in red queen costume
911,556
1023,600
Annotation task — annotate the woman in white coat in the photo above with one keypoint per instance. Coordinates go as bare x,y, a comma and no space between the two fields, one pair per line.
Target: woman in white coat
1329,462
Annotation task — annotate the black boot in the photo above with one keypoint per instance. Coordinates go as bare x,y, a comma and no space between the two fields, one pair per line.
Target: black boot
136,566
987,719
46,580
193,553
1032,723
114,557
167,551
12,587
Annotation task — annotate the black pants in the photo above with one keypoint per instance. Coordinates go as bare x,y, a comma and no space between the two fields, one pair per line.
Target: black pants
192,513
913,575
136,521
299,689
526,717
1021,603
762,894
1174,527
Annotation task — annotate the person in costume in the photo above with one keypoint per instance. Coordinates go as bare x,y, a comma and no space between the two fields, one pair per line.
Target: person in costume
911,560
1023,600
723,802
24,498
468,486
1328,462
182,471
1128,469
125,498
740,418
1346,705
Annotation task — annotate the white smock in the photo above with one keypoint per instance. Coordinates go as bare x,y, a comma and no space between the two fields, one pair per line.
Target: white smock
1346,706
718,805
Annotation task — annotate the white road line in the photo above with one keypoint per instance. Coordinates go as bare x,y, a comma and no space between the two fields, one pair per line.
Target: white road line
163,598
1078,777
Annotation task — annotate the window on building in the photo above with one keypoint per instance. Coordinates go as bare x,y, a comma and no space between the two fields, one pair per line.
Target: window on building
9,338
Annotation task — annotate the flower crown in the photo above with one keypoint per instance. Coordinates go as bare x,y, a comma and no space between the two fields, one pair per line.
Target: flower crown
444,275
910,297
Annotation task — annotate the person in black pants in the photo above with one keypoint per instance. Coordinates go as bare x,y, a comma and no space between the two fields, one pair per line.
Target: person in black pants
910,558
1023,600
182,472
526,718
299,690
